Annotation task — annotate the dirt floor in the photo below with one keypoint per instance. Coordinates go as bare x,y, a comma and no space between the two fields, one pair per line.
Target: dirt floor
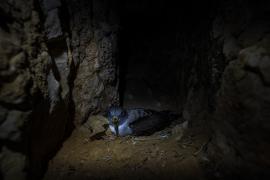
174,153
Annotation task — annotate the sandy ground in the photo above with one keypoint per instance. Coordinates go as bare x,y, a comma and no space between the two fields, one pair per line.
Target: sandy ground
174,153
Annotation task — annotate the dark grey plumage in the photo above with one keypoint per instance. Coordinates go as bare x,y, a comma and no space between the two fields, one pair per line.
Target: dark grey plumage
138,121
155,121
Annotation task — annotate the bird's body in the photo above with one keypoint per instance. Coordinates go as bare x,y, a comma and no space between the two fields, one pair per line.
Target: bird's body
124,129
137,121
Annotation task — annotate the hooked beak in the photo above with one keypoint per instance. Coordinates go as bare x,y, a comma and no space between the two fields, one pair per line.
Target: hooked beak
115,122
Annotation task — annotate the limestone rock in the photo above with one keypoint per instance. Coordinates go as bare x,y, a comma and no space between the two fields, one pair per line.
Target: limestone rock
53,90
10,129
94,43
62,64
25,118
48,5
3,114
53,24
257,57
95,125
230,48
253,34
93,87
178,130
264,68
243,105
14,92
12,165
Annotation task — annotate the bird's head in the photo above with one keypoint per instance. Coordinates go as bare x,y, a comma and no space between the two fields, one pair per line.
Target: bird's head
116,117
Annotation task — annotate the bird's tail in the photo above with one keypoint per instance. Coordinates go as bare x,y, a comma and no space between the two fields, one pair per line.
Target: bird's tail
170,115
157,120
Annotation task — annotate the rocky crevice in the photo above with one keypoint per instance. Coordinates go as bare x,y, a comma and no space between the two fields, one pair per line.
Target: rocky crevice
241,116
60,64
45,74
23,83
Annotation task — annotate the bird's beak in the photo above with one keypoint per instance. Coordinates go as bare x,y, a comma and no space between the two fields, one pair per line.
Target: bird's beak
115,122
116,130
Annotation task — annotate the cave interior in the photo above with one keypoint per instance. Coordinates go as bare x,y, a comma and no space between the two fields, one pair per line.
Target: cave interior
200,69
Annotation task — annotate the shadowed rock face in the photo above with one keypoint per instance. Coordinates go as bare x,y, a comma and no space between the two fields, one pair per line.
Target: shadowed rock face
93,27
39,73
24,60
61,61
243,111
241,119
31,95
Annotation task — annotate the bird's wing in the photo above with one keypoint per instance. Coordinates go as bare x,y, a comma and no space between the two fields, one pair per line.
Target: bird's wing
136,114
149,124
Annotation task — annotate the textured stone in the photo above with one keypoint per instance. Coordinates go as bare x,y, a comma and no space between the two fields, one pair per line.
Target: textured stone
178,130
251,56
264,68
3,114
230,48
94,44
53,90
242,118
11,69
14,92
36,85
48,5
53,24
218,27
10,129
62,64
257,57
25,65
12,165
94,126
39,67
253,33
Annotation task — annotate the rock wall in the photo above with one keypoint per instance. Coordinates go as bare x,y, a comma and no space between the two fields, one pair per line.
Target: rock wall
59,65
94,27
25,66
34,90
241,119
52,115
222,66
56,55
